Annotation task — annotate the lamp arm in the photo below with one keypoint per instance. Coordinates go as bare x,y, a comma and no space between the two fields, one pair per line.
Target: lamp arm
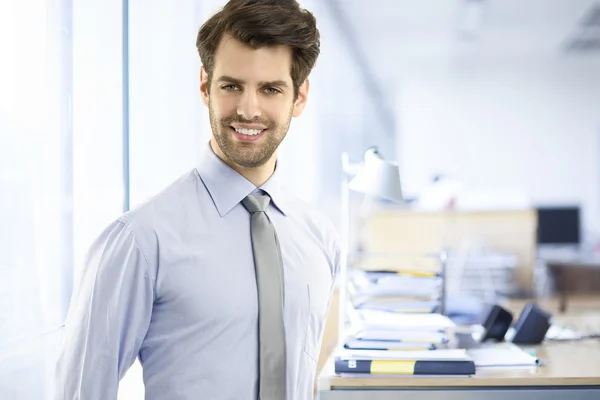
345,240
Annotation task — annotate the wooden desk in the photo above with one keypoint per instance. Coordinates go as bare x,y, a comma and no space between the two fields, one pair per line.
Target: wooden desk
571,371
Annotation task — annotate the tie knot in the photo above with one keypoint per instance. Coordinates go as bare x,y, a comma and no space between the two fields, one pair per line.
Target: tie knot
256,202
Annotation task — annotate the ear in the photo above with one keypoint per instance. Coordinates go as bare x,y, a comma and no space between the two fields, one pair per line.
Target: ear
204,85
302,97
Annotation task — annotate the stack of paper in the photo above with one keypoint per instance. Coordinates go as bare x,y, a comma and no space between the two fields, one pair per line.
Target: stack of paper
375,319
394,284
396,328
399,306
396,292
392,339
402,344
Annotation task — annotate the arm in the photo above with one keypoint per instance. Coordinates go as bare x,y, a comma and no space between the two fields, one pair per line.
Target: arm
337,262
330,332
108,318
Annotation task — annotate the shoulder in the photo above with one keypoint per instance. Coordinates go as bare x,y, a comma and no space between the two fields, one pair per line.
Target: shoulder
162,214
132,239
163,206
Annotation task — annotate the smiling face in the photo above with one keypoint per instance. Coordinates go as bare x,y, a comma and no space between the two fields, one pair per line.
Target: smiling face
250,97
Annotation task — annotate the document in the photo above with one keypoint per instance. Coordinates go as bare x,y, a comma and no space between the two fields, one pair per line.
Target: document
501,355
387,345
427,355
402,336
413,307
395,285
376,319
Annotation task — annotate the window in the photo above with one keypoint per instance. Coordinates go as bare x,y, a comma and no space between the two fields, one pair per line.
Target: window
35,190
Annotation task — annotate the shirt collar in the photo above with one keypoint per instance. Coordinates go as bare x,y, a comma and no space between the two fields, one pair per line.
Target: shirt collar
227,187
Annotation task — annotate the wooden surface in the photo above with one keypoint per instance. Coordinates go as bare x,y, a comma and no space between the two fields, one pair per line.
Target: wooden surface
397,230
565,363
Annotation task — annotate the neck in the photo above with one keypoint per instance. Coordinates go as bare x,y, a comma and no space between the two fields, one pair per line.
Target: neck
257,175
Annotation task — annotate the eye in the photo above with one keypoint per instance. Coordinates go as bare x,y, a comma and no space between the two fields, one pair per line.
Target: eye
271,91
229,88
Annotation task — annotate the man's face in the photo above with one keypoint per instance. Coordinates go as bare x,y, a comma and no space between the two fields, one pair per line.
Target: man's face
251,100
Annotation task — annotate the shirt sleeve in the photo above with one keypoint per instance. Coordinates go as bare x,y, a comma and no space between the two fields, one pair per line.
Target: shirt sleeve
108,318
337,260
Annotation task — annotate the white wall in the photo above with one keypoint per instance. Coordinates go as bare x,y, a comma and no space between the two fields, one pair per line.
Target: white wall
53,187
167,129
97,121
525,126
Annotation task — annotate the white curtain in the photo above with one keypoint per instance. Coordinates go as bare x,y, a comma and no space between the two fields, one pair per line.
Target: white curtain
61,175
35,192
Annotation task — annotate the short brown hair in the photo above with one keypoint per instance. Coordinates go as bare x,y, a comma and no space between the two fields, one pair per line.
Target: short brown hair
260,23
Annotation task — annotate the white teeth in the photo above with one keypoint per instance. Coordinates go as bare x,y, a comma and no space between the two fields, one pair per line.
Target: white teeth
249,132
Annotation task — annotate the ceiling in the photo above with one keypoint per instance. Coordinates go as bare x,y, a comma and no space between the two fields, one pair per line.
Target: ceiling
387,36
411,29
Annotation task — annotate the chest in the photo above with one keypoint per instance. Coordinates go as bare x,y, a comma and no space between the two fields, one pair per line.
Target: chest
207,276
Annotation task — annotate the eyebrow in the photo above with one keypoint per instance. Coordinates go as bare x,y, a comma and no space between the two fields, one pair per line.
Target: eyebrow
225,78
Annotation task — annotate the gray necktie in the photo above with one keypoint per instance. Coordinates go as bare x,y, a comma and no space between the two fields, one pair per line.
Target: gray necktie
269,279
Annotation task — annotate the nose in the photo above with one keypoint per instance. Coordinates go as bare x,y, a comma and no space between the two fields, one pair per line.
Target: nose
249,106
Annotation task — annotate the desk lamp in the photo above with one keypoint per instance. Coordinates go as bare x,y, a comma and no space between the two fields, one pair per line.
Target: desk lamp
374,177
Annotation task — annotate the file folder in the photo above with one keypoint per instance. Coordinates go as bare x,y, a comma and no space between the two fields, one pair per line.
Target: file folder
396,335
404,367
414,307
410,272
388,345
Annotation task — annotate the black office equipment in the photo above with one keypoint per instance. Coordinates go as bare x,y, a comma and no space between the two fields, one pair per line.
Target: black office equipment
559,225
532,325
496,323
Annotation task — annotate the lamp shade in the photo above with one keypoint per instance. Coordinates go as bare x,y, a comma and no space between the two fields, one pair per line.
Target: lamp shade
378,177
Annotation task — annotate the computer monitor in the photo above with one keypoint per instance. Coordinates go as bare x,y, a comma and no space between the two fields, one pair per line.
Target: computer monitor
559,225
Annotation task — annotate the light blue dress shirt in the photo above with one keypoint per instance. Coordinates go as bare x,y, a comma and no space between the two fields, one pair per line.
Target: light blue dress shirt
173,283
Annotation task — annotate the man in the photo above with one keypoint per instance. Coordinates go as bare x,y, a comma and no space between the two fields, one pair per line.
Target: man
221,283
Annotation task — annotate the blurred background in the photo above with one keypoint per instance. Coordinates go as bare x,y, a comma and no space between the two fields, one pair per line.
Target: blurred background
491,108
